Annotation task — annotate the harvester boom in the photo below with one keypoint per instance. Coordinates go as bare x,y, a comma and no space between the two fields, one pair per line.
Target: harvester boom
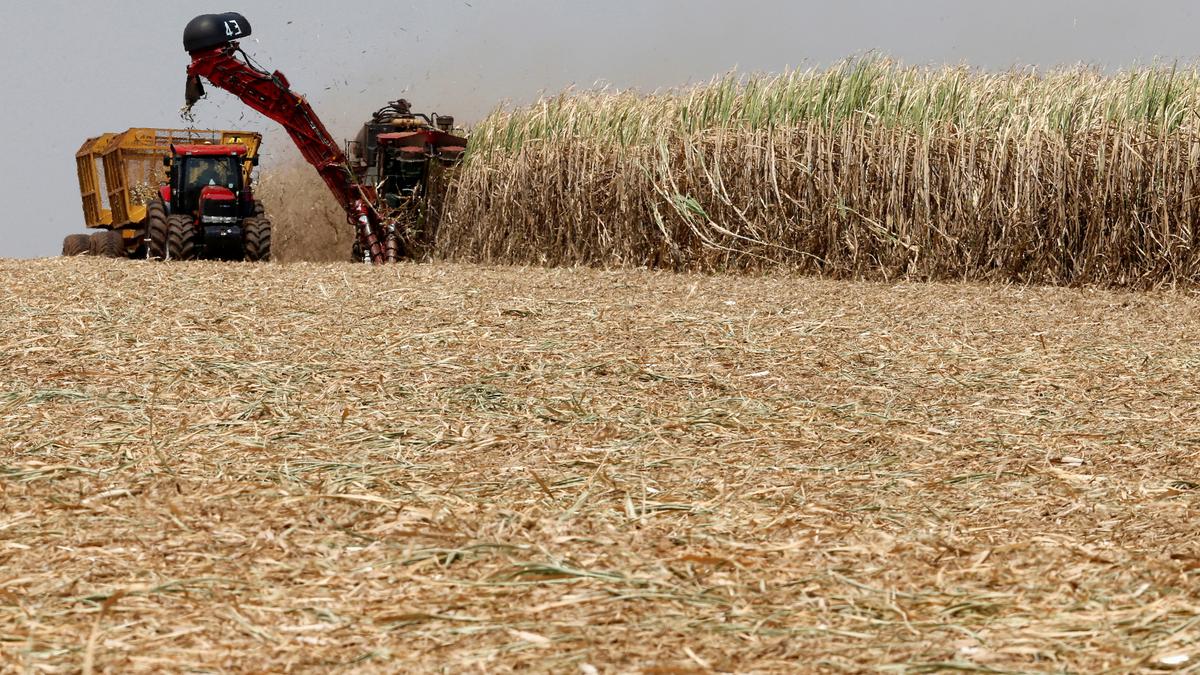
271,95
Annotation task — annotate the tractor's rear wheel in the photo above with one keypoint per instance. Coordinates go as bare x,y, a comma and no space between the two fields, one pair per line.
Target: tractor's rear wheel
256,239
107,244
76,244
181,238
156,230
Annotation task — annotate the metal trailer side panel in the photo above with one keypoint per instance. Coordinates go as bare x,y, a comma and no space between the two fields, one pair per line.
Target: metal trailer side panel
92,192
252,141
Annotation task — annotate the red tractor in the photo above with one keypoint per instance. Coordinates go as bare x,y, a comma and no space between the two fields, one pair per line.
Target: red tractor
207,210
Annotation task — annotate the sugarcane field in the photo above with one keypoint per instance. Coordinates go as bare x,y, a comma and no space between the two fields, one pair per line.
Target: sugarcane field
719,364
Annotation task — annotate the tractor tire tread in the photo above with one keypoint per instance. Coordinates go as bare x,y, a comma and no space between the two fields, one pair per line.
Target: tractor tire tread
256,239
181,238
156,230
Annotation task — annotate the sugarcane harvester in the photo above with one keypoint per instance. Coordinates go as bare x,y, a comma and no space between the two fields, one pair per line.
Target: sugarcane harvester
212,42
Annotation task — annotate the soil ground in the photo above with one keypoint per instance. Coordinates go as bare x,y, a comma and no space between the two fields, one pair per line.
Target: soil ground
235,468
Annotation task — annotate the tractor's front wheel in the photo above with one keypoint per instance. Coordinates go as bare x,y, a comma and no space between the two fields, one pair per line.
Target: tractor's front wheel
76,244
156,230
256,239
181,238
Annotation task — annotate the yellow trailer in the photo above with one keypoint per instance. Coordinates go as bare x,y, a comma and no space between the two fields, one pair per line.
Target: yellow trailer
120,174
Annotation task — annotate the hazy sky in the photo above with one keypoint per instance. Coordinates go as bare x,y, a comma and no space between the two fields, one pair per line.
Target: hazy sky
76,69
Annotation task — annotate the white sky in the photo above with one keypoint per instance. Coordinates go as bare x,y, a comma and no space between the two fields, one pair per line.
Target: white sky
76,69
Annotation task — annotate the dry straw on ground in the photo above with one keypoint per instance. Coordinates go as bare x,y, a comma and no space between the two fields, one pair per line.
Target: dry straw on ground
242,468
868,169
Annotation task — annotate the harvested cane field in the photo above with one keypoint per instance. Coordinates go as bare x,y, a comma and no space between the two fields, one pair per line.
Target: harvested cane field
233,468
868,169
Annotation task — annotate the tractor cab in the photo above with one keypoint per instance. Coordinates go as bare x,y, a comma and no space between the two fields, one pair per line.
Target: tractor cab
209,184
205,173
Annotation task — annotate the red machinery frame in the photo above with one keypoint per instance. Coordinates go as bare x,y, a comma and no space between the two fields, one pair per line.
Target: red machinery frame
271,95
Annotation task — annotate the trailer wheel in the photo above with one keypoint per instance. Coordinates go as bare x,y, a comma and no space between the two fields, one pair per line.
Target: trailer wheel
181,238
117,242
156,230
256,240
76,244
107,244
